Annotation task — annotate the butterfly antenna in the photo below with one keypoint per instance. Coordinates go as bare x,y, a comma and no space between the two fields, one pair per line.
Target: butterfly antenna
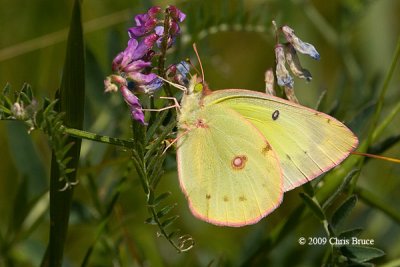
198,58
191,65
376,156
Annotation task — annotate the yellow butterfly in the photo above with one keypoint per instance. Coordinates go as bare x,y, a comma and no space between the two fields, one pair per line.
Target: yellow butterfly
239,151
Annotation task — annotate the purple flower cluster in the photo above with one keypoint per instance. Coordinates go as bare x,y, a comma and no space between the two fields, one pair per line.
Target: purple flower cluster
133,66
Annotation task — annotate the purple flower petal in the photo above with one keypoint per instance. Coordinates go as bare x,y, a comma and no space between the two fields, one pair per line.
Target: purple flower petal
137,65
170,41
176,14
159,30
151,87
174,28
129,97
141,78
129,52
137,31
141,19
144,46
143,29
137,115
154,11
149,55
117,61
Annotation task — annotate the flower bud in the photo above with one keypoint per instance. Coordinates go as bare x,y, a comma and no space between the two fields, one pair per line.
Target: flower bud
294,63
282,74
269,82
176,14
109,86
299,45
18,111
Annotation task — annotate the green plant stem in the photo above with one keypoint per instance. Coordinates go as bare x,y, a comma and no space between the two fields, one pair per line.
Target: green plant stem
163,49
385,87
98,138
374,201
373,133
387,120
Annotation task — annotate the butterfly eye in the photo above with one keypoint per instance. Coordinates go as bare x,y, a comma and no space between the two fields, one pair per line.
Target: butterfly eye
198,88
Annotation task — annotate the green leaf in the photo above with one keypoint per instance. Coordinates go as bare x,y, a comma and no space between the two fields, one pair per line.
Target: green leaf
343,211
25,98
155,161
155,125
342,187
26,158
348,234
160,198
5,110
308,189
151,221
169,221
156,144
156,172
20,205
6,90
173,233
4,97
361,253
164,211
314,206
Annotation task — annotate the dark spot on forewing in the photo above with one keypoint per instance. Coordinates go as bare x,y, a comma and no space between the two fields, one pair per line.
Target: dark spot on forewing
275,115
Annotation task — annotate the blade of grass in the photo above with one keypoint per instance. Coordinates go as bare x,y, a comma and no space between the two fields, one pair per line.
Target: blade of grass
72,95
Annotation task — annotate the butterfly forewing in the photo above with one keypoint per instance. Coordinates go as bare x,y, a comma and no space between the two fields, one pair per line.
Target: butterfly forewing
227,169
307,142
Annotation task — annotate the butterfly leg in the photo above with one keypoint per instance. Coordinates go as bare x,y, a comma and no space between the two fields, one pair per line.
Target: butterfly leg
289,92
178,86
175,105
174,141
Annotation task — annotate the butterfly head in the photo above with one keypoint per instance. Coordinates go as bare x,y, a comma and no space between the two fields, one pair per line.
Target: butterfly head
197,86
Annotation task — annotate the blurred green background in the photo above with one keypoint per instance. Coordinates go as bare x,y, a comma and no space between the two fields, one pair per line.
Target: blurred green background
356,40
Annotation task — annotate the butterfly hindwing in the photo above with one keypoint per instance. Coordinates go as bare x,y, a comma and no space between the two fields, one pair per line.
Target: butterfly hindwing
227,169
307,142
